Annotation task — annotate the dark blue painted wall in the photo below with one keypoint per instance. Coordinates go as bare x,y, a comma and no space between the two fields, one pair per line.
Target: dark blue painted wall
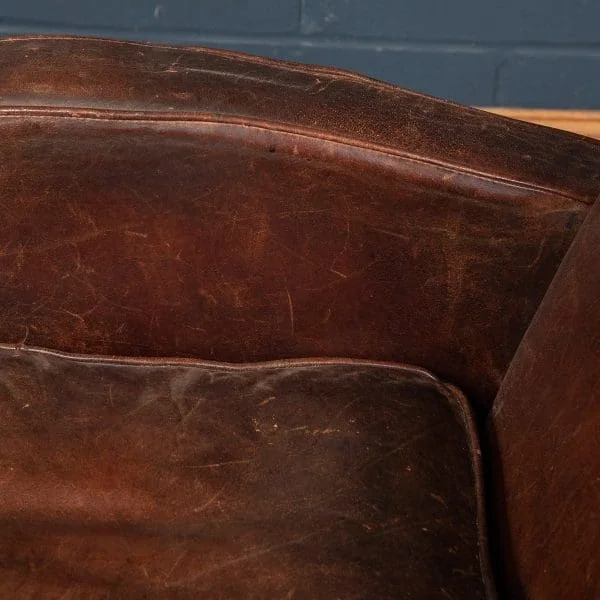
532,53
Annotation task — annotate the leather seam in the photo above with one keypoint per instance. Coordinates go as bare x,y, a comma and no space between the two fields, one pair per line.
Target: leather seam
100,114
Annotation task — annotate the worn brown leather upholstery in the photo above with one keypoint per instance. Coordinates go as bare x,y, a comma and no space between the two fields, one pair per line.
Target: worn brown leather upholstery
164,207
546,426
190,480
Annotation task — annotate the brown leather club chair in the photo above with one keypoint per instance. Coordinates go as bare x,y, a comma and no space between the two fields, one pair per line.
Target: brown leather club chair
258,319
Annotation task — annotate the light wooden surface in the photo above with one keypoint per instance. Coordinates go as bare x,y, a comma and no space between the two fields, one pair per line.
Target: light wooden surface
584,122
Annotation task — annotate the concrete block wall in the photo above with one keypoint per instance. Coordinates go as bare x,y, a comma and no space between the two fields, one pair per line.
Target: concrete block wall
529,53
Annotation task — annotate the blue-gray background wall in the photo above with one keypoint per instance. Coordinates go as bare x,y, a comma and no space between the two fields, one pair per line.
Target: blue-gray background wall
530,53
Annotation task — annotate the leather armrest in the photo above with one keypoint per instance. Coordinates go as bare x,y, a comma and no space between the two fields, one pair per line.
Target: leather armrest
546,424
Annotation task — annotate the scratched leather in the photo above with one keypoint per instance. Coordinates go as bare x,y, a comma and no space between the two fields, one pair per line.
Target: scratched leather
221,242
74,73
186,202
546,423
297,480
189,202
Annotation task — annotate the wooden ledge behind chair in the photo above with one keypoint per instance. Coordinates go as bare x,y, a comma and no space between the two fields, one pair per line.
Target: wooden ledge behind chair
583,122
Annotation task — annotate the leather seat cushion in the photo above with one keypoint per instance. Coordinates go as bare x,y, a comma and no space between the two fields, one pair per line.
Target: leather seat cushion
323,479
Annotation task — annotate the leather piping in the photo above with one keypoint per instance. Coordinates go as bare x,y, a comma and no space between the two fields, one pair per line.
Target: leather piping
199,117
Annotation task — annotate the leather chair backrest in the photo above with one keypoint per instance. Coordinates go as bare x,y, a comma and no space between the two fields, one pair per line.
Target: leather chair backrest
190,202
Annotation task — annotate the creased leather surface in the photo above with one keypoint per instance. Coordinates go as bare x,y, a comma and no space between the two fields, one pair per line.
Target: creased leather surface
546,421
127,479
